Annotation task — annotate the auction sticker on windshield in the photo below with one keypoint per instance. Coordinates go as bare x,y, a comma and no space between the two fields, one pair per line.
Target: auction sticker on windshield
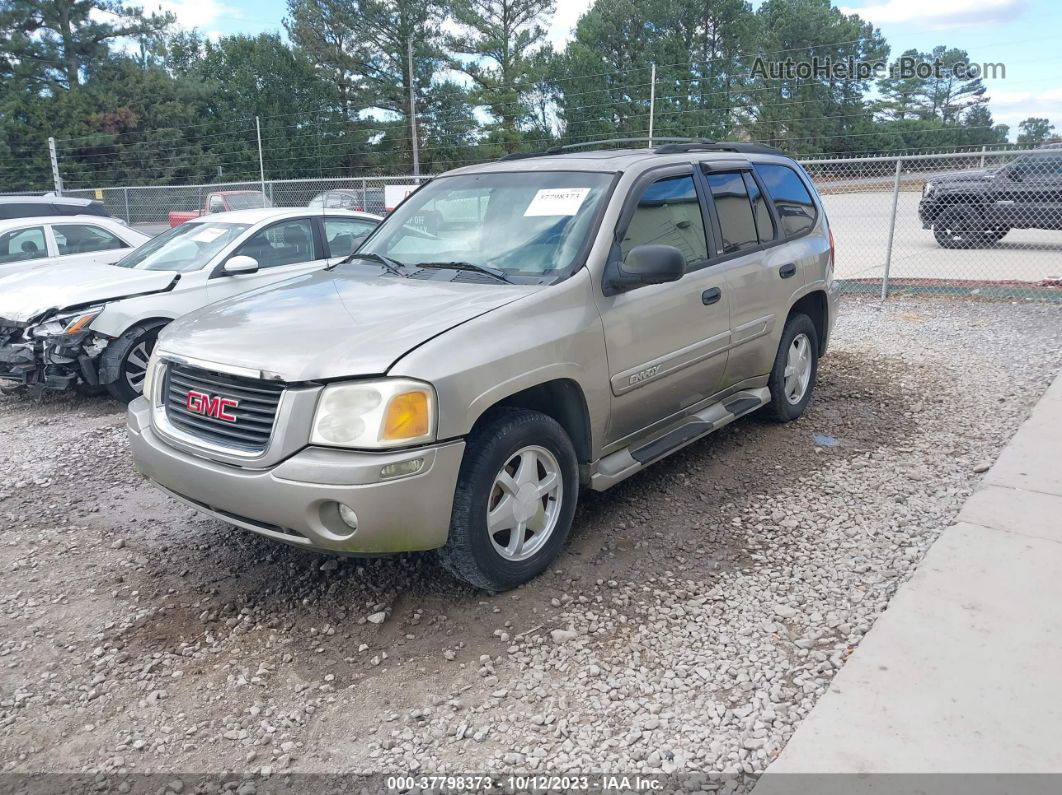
208,235
557,201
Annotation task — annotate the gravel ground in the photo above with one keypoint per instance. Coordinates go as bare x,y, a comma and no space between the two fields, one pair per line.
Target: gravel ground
699,611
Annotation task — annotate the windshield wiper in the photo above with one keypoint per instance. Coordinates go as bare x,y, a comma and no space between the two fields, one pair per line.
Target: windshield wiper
466,266
392,265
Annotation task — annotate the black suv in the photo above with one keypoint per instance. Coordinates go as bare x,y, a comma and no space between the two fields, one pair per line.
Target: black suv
34,206
967,209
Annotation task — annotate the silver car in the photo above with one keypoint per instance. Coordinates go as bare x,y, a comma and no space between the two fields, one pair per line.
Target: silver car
512,333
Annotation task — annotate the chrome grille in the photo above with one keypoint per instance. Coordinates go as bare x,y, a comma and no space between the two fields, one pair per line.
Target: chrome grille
254,412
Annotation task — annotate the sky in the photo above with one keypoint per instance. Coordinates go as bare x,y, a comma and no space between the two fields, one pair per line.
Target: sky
1024,35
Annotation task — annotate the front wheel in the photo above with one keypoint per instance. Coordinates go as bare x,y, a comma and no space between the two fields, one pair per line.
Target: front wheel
131,352
796,365
515,500
959,227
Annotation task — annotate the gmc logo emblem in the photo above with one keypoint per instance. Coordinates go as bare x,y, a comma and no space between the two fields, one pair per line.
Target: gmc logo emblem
210,405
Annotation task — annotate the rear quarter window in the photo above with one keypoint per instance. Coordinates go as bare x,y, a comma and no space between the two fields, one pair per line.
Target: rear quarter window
796,209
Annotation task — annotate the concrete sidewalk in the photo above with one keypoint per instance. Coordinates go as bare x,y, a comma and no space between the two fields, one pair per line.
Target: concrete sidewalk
963,671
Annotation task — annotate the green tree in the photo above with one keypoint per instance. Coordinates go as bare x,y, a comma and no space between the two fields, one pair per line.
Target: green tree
1034,131
57,43
496,47
931,85
812,112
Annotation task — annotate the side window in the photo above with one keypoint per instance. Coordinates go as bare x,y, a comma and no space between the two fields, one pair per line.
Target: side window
342,234
736,223
764,222
668,214
281,244
22,245
791,199
84,239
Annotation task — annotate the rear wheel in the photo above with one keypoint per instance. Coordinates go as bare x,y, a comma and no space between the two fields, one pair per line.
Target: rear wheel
515,500
133,349
796,365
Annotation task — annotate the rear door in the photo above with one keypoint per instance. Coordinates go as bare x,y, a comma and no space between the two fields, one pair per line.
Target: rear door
22,247
87,244
666,343
283,249
764,272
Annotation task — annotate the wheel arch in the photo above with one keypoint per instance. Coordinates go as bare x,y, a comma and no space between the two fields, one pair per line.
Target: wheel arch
111,359
561,399
816,306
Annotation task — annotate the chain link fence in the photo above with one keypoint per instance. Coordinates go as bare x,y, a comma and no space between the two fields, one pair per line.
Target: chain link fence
981,224
985,223
148,207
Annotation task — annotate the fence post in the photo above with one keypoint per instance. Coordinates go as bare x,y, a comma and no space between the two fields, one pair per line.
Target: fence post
56,178
128,220
652,103
892,230
413,110
261,162
983,148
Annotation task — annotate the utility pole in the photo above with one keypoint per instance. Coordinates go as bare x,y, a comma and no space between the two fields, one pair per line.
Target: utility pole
652,103
261,162
56,178
413,110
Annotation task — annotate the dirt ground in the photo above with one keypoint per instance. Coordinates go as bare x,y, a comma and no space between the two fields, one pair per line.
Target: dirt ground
137,635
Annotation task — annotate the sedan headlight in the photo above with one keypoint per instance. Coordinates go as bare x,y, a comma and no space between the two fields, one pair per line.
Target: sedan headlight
390,412
67,324
928,188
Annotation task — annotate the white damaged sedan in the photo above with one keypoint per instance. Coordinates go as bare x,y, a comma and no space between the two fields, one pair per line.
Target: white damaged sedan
97,323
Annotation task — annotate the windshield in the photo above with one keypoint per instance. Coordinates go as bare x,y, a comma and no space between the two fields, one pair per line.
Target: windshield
184,248
252,200
529,225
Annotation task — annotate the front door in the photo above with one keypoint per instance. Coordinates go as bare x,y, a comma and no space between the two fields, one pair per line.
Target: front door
1028,193
284,249
666,343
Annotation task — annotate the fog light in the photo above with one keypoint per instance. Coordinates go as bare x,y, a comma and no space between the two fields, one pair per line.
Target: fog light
348,516
400,468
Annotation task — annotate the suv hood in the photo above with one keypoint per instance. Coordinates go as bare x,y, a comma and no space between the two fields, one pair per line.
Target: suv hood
962,177
30,293
328,325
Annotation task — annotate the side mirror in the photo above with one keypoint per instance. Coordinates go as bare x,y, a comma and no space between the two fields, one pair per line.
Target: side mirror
650,264
240,264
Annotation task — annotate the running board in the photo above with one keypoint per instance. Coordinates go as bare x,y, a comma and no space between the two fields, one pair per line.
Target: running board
622,464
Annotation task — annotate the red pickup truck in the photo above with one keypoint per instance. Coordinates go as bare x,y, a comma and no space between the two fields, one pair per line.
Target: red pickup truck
222,201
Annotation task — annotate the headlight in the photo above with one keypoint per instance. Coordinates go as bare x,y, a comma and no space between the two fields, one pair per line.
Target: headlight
149,377
390,412
65,325
928,188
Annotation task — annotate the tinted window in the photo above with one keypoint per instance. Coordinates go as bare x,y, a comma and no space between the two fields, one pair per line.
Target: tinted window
21,245
764,222
342,234
281,244
668,214
795,208
736,224
23,210
84,239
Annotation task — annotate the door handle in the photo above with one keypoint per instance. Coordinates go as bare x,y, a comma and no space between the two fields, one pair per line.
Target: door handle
787,270
711,295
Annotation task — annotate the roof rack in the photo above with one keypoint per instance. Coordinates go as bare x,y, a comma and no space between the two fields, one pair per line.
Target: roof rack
669,146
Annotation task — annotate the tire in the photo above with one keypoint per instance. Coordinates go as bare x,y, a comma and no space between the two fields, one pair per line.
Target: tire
791,390
128,357
527,446
993,236
960,226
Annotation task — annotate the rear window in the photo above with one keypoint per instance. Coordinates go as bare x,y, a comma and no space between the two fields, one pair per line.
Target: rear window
796,210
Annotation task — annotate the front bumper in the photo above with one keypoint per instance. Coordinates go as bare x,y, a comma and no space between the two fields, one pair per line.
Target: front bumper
928,209
296,501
